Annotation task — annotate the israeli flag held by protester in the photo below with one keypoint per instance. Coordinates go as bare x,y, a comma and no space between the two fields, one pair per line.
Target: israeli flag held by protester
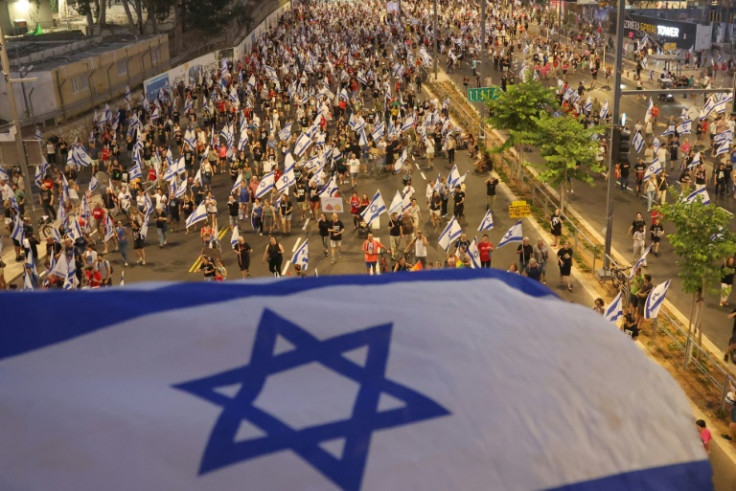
641,261
670,130
723,148
453,178
655,299
696,161
286,180
407,124
514,234
135,172
656,143
41,171
399,204
614,310
487,222
330,189
685,128
235,236
474,254
654,169
400,162
720,105
723,137
301,256
638,142
698,195
645,62
378,131
109,228
181,189
4,175
376,208
285,132
451,232
258,399
588,105
604,110
199,214
93,184
17,233
237,183
265,185
302,143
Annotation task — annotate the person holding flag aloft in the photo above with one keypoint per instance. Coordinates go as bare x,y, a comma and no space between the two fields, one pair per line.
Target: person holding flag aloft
420,244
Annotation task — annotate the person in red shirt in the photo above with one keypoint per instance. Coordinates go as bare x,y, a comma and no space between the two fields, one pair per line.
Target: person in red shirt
355,208
98,213
92,277
485,248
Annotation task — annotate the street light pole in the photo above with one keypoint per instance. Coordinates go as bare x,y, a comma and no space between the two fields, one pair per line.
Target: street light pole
614,122
16,123
434,41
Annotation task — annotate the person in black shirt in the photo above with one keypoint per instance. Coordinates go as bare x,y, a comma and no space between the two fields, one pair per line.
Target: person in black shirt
233,208
300,193
274,254
459,203
208,268
336,230
243,250
491,184
394,233
625,168
656,232
324,232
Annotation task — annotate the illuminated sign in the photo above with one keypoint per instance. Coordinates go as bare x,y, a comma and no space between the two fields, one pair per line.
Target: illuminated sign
664,31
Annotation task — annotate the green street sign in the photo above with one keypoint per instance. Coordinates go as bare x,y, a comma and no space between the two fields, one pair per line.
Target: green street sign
478,94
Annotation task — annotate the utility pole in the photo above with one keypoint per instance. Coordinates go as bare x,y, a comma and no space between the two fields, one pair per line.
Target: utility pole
16,123
613,140
434,41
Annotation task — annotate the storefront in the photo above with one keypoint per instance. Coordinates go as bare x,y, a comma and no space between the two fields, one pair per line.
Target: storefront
686,35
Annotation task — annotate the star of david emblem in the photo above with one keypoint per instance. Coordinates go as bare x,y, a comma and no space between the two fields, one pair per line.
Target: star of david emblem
357,428
374,208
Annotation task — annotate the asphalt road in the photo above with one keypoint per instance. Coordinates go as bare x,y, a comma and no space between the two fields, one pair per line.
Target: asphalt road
590,201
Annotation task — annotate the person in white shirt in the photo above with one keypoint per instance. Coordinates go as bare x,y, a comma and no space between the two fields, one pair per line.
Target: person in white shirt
354,169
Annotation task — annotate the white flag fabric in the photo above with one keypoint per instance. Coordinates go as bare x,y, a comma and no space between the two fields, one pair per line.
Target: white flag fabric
655,299
451,232
399,204
147,392
302,143
287,179
474,254
265,185
301,256
639,262
698,195
235,236
487,222
514,234
375,209
199,214
615,309
638,142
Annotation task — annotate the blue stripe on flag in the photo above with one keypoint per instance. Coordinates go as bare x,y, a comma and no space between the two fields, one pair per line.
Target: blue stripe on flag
39,333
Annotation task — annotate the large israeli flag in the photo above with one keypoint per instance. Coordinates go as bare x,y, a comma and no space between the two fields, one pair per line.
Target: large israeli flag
487,222
302,143
147,392
638,142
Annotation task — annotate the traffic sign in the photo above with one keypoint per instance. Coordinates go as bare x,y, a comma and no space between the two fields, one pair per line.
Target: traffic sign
519,209
478,94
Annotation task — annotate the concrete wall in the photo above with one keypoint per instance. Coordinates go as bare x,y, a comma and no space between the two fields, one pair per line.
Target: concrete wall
79,86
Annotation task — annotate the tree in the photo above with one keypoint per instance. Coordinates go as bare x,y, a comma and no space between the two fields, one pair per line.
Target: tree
701,242
515,109
569,150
